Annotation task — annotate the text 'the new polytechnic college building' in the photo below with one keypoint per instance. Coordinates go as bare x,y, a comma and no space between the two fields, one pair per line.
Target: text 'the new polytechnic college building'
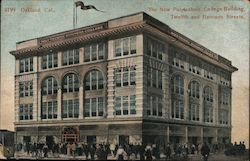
130,79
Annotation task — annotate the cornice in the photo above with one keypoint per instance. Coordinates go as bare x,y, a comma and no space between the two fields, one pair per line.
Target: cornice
99,31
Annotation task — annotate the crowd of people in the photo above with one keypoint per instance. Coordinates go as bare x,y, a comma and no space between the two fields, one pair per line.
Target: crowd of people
125,151
235,149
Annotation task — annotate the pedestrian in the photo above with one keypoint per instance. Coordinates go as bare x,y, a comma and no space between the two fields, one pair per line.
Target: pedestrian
45,150
205,151
92,152
148,152
120,154
168,152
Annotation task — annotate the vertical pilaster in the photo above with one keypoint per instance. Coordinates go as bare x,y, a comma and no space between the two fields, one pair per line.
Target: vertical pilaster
139,86
60,59
186,100
81,102
186,134
201,102
81,50
39,105
202,135
59,103
35,97
168,132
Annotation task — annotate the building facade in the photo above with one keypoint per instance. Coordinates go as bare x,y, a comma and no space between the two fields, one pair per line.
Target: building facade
131,79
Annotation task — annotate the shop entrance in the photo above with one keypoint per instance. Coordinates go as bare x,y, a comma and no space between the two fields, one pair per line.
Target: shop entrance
70,134
123,140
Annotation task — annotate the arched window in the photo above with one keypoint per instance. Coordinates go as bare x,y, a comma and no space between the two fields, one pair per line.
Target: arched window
177,85
194,89
177,106
208,106
49,86
70,83
194,107
208,94
94,80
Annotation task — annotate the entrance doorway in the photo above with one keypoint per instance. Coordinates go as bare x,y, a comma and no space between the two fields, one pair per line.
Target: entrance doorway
123,140
91,140
50,141
174,139
70,135
26,139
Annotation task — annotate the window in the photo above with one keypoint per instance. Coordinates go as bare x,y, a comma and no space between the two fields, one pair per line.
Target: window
177,59
154,78
49,86
125,76
225,98
26,89
94,52
49,110
70,83
94,107
194,89
194,66
177,85
70,108
208,113
132,104
94,80
155,49
208,72
125,105
26,65
177,109
154,106
49,61
223,117
70,57
194,112
208,94
125,46
26,112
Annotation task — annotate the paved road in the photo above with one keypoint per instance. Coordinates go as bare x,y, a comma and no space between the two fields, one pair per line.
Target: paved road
212,157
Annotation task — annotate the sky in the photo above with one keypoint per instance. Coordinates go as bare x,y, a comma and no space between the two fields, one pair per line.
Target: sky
221,26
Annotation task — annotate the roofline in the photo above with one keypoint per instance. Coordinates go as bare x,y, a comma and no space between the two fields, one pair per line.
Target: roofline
148,18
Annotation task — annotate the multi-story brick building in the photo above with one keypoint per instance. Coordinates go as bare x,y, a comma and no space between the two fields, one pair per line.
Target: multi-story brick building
129,79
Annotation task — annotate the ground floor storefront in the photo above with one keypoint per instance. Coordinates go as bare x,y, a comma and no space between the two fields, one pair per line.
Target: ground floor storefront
136,132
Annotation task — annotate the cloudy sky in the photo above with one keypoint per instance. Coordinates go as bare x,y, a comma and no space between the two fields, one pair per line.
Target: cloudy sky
222,27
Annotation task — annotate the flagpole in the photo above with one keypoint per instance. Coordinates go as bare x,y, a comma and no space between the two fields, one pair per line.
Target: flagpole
74,15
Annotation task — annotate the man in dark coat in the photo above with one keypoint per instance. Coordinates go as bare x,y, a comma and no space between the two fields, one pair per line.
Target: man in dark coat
168,152
205,151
